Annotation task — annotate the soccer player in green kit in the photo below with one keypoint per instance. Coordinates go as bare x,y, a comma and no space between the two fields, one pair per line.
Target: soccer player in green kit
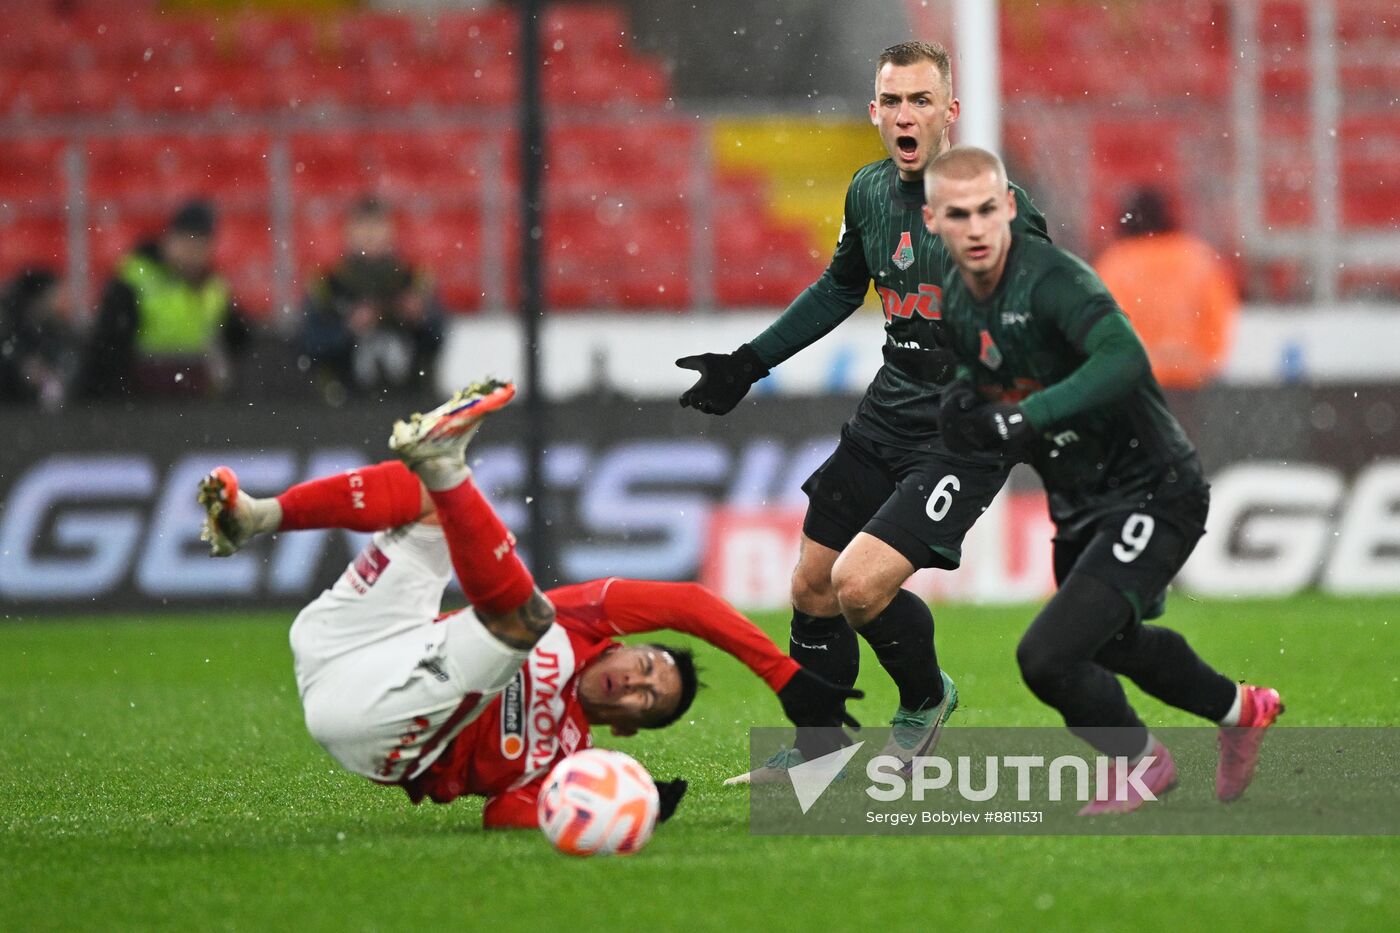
891,499
1051,372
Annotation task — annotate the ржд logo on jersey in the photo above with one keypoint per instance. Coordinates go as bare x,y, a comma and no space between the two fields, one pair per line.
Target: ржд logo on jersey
903,253
927,303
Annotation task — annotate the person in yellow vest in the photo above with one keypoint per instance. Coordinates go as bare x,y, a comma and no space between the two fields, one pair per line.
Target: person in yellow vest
1175,288
167,324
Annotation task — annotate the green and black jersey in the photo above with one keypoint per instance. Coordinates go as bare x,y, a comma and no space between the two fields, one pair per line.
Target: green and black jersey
883,240
1052,338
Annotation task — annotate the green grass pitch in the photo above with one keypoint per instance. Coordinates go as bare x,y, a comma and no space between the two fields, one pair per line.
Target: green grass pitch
158,777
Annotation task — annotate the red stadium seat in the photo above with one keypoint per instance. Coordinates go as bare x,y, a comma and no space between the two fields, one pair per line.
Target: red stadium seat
446,243
618,255
437,84
634,81
42,91
35,241
301,84
244,254
228,168
364,37
479,38
656,272
1370,173
317,238
32,170
760,263
330,164
276,40
448,165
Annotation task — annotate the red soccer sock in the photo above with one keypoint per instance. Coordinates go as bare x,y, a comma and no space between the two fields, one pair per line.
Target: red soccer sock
483,550
368,498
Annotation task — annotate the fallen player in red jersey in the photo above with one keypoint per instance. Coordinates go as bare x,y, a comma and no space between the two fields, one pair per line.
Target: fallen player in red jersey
484,700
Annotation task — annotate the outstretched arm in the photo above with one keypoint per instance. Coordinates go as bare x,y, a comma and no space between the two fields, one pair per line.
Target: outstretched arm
614,606
624,607
725,378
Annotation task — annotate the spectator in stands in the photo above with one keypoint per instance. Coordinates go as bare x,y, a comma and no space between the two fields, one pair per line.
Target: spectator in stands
1174,287
167,324
373,321
40,343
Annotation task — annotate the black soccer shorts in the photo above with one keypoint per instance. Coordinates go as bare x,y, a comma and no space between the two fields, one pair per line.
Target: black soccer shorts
1138,551
921,503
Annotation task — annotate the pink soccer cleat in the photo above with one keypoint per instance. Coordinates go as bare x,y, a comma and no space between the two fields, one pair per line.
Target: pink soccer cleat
1239,745
1158,778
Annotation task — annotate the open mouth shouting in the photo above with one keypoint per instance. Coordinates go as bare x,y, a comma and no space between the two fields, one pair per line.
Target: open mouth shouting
908,148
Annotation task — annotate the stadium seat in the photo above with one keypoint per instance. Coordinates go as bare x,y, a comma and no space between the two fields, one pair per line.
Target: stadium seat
447,243
447,165
276,40
656,273
244,253
635,81
368,36
315,85
330,164
317,239
32,170
758,263
479,38
1370,174
40,92
228,168
32,241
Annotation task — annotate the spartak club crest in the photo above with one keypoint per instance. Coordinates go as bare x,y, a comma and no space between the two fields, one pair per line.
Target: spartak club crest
904,253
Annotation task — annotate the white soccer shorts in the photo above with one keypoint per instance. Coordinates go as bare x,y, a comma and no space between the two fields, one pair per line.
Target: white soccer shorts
385,688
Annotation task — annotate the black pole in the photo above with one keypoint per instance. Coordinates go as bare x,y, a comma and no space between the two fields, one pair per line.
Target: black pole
532,289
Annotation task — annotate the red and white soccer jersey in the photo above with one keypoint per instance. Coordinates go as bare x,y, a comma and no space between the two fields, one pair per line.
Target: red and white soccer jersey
507,752
385,683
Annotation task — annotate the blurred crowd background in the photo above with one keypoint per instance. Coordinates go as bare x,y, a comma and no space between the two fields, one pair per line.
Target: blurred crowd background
330,188
256,232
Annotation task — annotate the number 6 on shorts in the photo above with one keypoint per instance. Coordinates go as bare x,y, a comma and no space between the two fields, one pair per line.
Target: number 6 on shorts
1137,531
942,499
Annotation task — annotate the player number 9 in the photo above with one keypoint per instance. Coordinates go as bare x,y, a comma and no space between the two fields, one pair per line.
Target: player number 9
1137,531
942,499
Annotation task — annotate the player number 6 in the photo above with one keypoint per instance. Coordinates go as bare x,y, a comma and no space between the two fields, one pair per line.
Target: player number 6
942,499
1137,531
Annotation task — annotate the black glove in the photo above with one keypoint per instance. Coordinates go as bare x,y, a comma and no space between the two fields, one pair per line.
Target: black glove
670,793
997,428
935,366
810,700
959,399
724,379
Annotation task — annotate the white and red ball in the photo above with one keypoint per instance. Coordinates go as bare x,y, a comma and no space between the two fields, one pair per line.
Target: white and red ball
598,802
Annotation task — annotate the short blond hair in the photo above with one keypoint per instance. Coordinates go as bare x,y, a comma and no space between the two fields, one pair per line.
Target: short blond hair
963,163
911,53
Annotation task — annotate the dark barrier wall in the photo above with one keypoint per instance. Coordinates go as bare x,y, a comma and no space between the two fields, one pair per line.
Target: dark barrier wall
98,507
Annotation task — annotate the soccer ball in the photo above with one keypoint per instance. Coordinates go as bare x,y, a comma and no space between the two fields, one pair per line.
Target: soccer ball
598,802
